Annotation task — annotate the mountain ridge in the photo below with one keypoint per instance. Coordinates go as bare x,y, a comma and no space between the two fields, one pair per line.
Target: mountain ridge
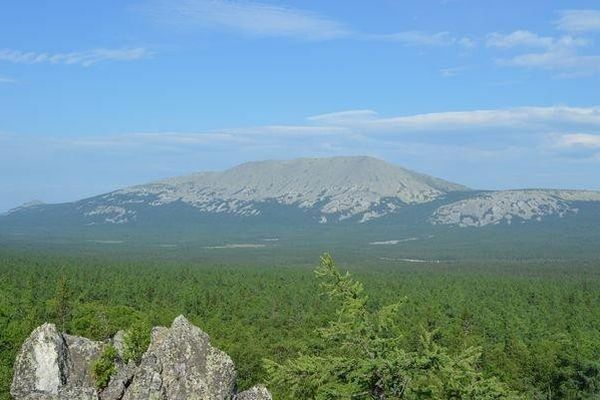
324,190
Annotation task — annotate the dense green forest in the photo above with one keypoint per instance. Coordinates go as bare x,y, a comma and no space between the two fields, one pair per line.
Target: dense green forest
529,329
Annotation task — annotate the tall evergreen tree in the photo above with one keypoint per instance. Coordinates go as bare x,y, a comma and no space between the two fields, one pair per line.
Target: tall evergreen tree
361,356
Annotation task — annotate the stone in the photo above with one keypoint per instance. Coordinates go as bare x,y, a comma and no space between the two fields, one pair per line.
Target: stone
180,364
258,392
82,353
55,366
119,383
119,342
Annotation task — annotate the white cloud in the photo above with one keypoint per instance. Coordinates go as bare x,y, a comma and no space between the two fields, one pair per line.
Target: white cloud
267,20
453,71
560,54
569,63
4,79
83,58
225,137
482,131
530,39
579,140
343,117
579,20
537,119
421,38
518,38
288,131
251,18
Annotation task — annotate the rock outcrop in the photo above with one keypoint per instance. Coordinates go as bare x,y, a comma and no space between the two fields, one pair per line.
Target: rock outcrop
180,363
492,208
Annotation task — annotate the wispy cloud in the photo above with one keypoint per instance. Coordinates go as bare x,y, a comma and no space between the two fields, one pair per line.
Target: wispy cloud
344,117
519,38
421,38
267,20
250,18
560,54
4,79
538,119
230,137
579,140
83,58
579,20
452,71
568,63
481,130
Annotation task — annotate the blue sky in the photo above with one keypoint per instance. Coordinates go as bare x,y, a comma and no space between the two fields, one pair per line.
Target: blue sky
99,95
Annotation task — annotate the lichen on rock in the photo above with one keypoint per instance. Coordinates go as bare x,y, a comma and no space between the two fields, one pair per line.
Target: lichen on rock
180,363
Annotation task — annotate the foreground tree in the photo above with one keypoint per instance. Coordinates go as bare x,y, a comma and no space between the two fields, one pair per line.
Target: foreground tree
361,356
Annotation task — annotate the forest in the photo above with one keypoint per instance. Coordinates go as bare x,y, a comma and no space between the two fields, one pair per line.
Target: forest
467,330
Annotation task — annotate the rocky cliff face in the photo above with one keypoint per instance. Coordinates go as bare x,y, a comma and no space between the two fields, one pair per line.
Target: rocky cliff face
180,363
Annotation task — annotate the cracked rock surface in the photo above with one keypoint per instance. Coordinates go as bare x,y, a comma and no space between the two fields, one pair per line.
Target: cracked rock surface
180,363
506,206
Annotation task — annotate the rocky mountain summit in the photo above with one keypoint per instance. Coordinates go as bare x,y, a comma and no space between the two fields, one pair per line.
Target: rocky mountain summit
179,364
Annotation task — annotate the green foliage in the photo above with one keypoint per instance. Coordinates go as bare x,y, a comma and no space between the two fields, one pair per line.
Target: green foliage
99,321
60,305
437,374
104,367
362,356
535,324
136,341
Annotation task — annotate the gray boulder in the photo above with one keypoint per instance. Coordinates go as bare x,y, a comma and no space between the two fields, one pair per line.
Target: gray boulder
180,364
52,365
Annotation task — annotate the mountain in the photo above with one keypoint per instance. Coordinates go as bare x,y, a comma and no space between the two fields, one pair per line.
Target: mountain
337,189
334,189
312,200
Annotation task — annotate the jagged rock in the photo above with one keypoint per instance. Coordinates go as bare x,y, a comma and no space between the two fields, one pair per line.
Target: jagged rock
82,352
53,366
258,392
119,383
119,342
180,364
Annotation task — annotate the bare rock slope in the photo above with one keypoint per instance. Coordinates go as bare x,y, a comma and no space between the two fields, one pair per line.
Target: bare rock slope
505,206
180,363
338,187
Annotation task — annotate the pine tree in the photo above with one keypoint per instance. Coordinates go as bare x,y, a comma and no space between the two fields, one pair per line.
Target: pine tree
361,357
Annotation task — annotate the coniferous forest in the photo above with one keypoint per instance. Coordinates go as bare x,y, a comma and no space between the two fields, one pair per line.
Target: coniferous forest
468,330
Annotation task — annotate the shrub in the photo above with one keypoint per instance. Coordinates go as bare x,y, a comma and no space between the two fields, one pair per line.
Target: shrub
104,367
136,341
